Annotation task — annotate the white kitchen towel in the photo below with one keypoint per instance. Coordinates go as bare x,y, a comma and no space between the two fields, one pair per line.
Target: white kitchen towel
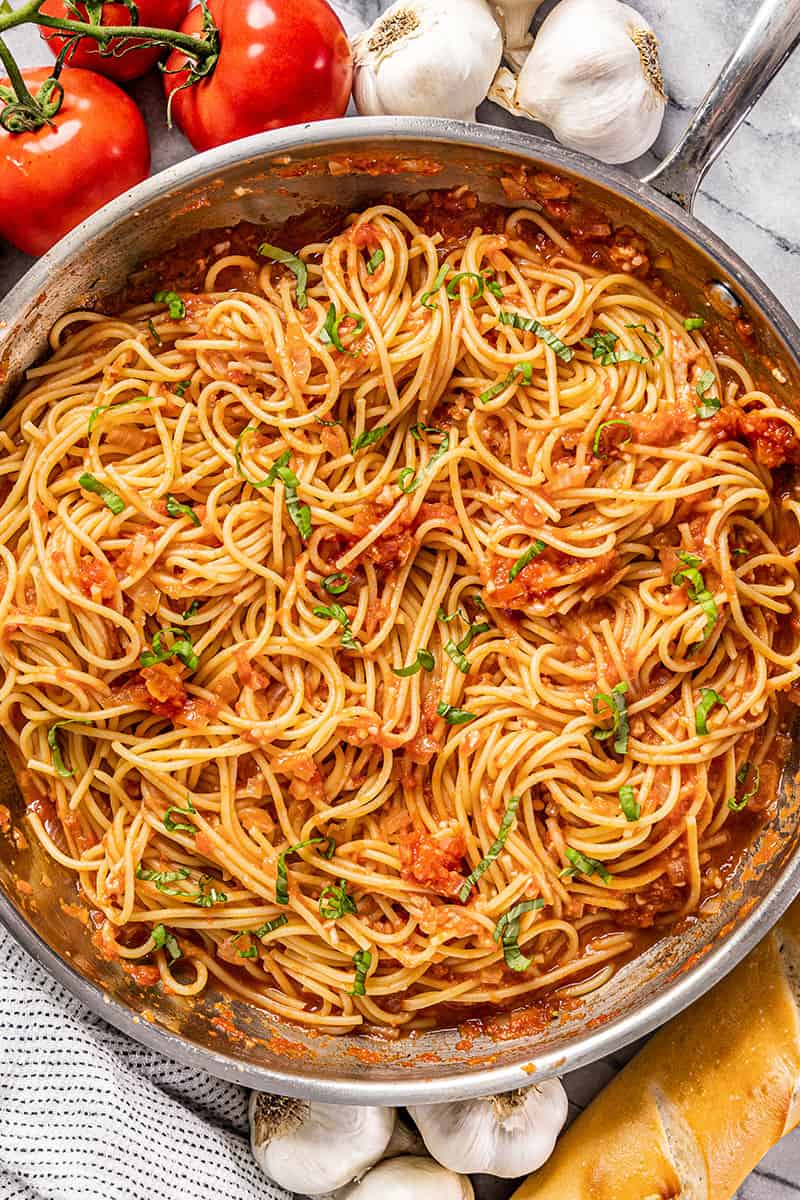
87,1114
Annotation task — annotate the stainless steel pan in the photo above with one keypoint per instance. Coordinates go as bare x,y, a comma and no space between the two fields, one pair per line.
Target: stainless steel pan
267,179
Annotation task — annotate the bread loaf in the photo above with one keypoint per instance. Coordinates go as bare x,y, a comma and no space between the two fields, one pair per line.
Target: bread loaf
691,1115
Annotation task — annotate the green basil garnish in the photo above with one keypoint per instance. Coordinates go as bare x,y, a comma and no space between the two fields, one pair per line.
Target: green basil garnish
710,404
177,309
330,330
693,323
97,413
52,740
173,825
651,333
299,513
335,612
628,803
581,865
454,716
741,775
270,926
533,551
161,938
424,661
620,728
109,498
334,901
375,261
452,287
698,592
507,928
281,880
295,265
509,816
176,509
424,472
191,611
181,648
424,300
524,369
368,438
709,699
336,583
531,325
599,434
207,899
455,651
603,347
162,878
363,961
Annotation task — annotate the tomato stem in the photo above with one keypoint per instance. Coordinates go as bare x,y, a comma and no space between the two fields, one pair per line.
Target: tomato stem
18,84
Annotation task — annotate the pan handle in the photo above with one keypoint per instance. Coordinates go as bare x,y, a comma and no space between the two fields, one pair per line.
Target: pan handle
768,42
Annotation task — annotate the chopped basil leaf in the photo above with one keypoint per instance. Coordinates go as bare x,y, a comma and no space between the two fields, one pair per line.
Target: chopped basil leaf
524,369
444,271
109,498
507,928
455,651
375,261
494,287
335,612
270,926
711,404
281,880
250,952
628,803
97,413
181,388
336,583
533,551
509,816
741,775
620,728
154,334
651,333
330,330
334,901
599,434
520,321
424,661
424,472
709,699
162,878
698,592
52,740
368,438
295,265
176,509
161,938
582,865
329,424
186,826
452,288
299,513
207,899
363,962
191,611
454,716
177,309
693,323
602,345
418,428
181,648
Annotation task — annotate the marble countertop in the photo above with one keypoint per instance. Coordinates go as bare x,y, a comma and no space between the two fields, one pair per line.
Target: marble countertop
749,198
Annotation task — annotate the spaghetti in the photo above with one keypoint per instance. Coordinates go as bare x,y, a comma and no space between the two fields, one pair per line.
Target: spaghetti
387,635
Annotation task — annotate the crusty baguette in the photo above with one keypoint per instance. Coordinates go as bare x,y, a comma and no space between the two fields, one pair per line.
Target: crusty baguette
693,1113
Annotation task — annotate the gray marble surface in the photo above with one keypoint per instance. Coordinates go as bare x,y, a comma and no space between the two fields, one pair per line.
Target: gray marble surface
749,198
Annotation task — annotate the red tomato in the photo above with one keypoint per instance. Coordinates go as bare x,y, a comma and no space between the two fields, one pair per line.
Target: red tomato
53,178
282,62
166,14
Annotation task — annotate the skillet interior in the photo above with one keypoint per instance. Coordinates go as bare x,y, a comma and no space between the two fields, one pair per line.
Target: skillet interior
267,180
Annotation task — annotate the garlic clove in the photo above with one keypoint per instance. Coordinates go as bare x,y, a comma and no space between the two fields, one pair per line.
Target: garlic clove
514,18
316,1148
410,1179
507,1135
593,77
427,58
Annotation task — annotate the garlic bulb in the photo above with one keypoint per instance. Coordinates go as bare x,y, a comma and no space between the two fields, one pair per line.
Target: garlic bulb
514,18
410,1179
315,1148
506,1135
427,58
593,77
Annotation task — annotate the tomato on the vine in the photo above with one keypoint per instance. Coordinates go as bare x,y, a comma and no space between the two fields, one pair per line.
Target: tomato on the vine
281,62
53,177
165,14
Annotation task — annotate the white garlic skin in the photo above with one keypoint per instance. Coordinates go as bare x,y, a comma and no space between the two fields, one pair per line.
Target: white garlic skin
593,78
427,58
316,1148
514,18
507,1135
410,1179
